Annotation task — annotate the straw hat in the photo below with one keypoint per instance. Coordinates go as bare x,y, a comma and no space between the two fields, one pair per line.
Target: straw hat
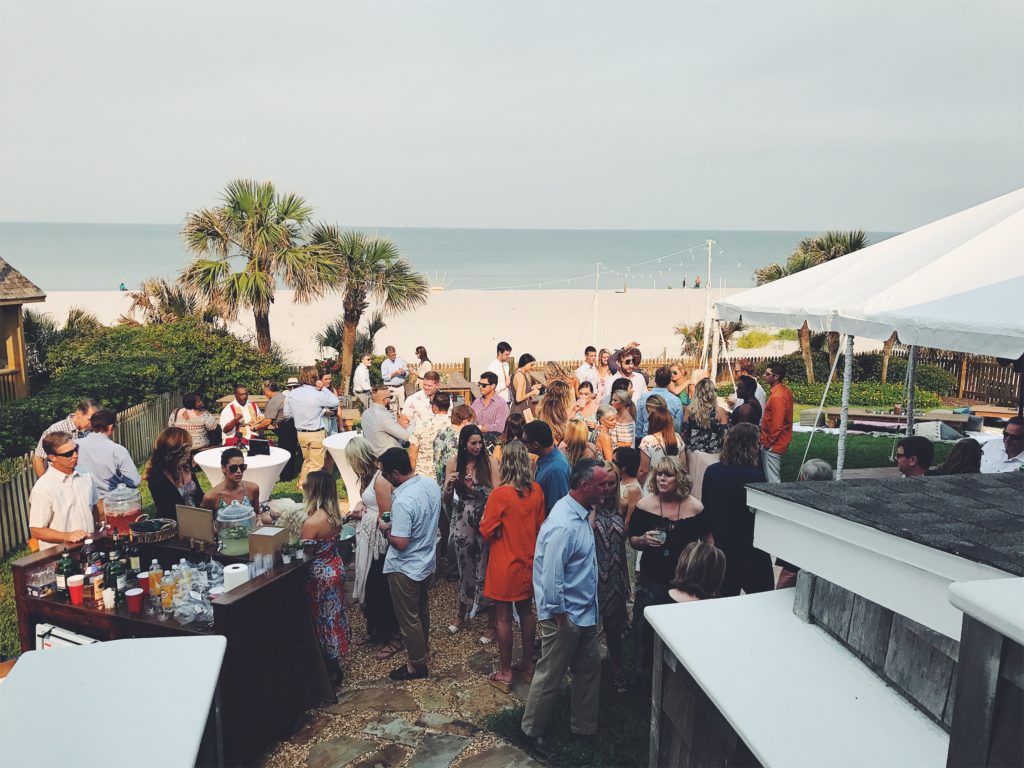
292,382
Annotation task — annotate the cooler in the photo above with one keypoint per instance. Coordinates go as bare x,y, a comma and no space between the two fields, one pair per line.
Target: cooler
49,637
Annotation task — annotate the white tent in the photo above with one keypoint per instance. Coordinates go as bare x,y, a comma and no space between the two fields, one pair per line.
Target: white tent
955,284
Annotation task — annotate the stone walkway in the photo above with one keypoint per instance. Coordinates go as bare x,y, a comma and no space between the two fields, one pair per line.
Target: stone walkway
433,723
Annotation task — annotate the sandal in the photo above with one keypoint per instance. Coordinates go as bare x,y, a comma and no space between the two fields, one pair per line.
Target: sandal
484,639
454,629
388,650
501,685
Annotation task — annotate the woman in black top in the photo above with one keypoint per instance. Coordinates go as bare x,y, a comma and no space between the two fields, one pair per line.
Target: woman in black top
670,512
748,409
169,473
725,502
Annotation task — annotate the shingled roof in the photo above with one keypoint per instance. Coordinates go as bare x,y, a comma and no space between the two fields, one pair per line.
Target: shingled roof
977,517
15,288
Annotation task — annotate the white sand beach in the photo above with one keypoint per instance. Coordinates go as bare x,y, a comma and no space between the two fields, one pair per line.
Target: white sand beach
549,324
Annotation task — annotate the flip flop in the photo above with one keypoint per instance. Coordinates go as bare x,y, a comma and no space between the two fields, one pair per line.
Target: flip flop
454,629
388,650
485,640
501,685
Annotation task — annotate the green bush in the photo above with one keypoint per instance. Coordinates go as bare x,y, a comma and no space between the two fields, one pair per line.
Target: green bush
125,365
333,364
754,340
869,394
788,334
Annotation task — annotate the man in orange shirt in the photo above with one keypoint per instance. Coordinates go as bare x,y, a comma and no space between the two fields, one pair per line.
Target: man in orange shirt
776,423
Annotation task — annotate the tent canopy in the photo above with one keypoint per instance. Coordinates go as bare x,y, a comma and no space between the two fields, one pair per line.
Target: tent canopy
955,284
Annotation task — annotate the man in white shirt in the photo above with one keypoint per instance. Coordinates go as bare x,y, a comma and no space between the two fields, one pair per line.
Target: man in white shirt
62,504
744,367
421,444
361,385
1006,455
417,406
394,371
241,419
588,371
627,370
500,368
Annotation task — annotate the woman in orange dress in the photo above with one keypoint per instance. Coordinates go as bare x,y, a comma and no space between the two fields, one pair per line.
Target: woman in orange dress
511,522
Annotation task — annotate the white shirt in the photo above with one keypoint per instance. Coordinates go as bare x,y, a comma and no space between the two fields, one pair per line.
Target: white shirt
587,372
250,414
639,387
500,370
361,380
62,502
417,408
994,459
760,395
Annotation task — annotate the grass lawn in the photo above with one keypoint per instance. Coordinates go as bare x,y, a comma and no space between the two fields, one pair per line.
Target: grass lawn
862,451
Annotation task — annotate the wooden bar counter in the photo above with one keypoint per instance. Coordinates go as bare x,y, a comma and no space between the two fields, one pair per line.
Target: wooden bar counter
273,670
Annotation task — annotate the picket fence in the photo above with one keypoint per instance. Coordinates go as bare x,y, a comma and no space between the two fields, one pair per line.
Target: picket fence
137,428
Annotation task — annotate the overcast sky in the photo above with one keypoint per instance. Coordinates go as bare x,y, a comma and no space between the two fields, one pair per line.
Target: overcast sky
630,114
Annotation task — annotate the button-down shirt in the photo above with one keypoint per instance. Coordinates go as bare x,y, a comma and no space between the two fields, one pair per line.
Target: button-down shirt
109,463
587,372
777,420
994,459
490,416
361,380
639,387
501,370
275,408
382,430
423,438
67,425
415,508
671,401
251,413
553,477
62,502
388,368
417,408
306,405
565,565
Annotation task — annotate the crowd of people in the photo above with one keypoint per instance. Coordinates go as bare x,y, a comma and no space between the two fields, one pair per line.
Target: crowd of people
558,502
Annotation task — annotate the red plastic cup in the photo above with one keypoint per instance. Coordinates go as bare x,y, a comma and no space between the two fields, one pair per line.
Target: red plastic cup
143,578
76,587
134,598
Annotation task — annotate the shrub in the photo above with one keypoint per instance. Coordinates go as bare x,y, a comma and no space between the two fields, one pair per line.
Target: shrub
788,334
869,394
333,364
754,340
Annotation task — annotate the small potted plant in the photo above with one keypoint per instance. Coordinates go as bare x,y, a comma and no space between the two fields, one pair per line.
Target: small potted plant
290,550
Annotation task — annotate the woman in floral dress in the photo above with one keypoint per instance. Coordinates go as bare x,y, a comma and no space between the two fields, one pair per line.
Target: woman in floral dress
469,479
612,578
704,428
325,578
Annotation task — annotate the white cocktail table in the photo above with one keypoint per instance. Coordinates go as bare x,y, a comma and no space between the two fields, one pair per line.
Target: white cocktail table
262,470
335,445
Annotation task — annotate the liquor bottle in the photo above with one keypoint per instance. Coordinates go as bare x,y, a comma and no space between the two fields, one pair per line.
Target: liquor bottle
116,579
65,567
116,544
134,556
85,555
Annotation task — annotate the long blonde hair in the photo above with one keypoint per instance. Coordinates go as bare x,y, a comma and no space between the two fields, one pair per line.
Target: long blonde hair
554,407
361,458
610,503
576,434
705,403
515,468
321,492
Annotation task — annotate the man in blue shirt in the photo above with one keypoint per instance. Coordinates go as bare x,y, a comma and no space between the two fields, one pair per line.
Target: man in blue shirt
410,561
395,371
662,377
565,590
552,466
305,405
109,463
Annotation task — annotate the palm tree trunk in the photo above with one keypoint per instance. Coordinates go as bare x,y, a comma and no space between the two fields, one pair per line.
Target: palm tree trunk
262,317
805,349
887,346
833,350
348,350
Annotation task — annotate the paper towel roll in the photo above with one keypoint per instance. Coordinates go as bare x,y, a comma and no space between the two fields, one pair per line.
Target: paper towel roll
234,575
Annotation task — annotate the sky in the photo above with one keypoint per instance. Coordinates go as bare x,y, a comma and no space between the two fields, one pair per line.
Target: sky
638,114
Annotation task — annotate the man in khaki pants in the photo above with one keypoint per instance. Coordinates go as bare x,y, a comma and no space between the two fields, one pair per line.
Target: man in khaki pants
305,405
565,589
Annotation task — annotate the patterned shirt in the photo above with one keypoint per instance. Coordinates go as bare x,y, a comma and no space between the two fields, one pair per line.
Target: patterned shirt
423,437
67,425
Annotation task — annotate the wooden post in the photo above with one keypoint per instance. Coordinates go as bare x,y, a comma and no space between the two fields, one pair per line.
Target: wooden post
466,368
963,375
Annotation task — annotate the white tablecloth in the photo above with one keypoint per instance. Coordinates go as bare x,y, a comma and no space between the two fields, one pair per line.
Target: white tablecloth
335,445
262,470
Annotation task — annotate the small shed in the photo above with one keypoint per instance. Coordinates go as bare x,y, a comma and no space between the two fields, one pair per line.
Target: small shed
15,290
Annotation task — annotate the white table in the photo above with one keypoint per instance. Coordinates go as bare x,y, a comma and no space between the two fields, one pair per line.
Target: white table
71,705
262,470
335,445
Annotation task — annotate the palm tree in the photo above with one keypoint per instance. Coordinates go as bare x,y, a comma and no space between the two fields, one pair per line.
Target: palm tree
887,346
369,268
332,335
810,252
161,302
693,336
264,230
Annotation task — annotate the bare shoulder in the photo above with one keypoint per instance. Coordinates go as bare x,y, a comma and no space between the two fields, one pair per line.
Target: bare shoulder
648,504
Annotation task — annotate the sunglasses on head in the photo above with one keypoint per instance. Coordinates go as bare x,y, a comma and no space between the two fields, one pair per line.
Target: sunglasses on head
67,454
237,467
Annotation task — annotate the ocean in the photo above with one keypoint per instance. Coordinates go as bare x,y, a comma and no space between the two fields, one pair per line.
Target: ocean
93,257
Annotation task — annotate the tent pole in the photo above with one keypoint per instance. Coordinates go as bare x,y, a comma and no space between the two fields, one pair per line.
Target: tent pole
844,413
911,387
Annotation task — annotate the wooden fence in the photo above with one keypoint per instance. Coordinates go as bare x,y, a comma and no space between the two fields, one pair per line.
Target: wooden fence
137,428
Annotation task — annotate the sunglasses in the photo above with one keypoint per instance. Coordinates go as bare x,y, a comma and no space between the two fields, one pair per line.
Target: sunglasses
67,454
482,384
1011,436
236,467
